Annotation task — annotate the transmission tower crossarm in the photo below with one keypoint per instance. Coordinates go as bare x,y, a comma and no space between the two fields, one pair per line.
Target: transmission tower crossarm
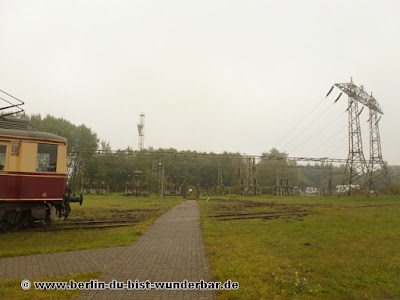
357,93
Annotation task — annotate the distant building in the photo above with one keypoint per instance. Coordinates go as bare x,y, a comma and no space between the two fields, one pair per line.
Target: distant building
345,188
311,191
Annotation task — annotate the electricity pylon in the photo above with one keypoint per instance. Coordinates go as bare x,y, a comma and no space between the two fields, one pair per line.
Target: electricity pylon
377,167
356,165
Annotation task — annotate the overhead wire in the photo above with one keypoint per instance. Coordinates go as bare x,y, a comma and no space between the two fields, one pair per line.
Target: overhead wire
296,144
314,132
331,138
333,135
328,144
302,128
336,142
296,127
343,145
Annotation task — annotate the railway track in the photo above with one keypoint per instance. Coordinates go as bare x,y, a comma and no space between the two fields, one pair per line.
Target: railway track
287,213
261,215
257,213
100,224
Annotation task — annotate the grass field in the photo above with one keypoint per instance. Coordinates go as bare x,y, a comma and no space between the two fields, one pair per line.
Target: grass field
11,289
305,247
143,210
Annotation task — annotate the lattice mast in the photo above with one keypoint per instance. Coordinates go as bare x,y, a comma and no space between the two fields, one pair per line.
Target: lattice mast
219,181
248,186
323,178
250,183
356,165
377,167
140,127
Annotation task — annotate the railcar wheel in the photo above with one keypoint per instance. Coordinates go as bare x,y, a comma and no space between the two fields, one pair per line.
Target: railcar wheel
47,219
10,217
23,218
29,221
67,211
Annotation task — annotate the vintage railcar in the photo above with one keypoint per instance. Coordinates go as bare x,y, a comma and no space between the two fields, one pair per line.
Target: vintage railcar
33,174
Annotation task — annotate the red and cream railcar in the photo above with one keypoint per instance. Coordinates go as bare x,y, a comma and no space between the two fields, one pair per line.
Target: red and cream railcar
33,173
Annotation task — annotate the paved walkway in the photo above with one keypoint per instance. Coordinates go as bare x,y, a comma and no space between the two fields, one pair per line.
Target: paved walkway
57,264
172,249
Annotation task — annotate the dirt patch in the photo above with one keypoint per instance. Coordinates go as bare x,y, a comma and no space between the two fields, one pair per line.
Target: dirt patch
112,214
134,210
241,210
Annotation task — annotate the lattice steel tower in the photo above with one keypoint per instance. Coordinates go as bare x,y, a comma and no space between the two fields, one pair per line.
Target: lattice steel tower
248,189
220,185
356,165
250,184
323,185
140,127
377,167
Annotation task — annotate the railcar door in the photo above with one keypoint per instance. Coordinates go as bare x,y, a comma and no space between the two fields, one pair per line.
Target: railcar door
3,154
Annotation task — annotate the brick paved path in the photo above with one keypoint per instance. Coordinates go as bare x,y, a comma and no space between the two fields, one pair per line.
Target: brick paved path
57,264
172,249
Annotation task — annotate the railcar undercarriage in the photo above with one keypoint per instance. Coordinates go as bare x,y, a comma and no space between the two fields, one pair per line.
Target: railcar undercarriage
25,213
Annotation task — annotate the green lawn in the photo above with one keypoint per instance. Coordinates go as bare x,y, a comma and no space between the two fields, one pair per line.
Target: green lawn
144,210
11,289
340,249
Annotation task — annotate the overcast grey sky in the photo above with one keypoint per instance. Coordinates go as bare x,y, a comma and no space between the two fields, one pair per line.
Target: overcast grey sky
215,75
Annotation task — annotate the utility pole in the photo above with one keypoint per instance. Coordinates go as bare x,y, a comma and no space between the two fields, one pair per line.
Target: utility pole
253,169
278,180
220,182
161,166
248,188
322,188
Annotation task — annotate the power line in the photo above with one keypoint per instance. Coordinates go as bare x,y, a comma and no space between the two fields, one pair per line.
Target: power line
330,145
314,132
197,155
300,122
319,117
330,140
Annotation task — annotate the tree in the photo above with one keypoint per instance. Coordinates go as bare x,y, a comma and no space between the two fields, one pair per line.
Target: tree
82,142
275,165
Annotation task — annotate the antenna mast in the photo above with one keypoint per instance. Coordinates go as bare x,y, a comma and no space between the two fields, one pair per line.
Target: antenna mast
140,127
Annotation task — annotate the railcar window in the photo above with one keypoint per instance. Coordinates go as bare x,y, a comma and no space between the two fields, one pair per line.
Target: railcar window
46,158
3,149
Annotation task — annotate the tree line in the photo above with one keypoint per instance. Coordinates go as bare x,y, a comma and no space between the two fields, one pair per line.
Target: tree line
92,163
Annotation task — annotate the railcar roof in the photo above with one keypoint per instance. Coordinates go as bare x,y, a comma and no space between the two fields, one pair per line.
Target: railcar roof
22,128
